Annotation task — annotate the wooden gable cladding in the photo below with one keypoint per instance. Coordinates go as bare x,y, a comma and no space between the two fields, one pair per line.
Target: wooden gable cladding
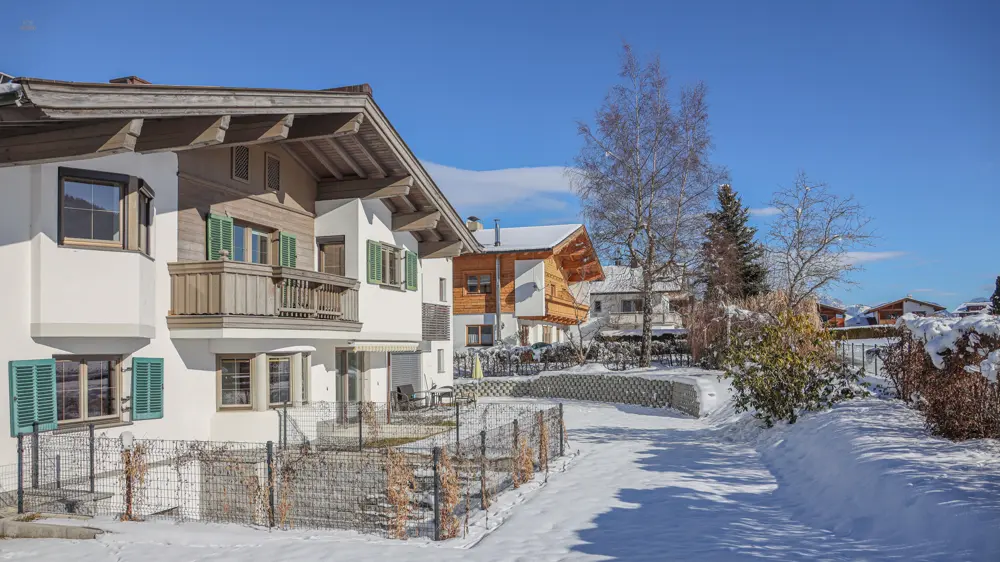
561,306
205,185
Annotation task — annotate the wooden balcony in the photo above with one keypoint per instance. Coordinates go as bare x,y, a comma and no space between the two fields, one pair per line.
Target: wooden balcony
227,294
633,320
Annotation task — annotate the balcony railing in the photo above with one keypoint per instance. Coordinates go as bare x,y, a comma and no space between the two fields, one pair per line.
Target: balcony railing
235,294
634,319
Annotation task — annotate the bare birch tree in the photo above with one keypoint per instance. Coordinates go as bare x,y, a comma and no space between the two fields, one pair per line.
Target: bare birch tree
812,237
644,178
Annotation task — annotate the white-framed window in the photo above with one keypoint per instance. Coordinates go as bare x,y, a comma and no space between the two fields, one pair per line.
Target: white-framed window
279,372
443,289
392,258
440,360
235,375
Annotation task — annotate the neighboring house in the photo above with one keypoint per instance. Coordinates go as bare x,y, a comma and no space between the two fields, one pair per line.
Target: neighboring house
831,316
618,301
180,260
889,312
533,274
973,307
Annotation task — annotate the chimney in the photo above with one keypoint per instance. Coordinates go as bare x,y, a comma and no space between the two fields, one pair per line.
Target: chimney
473,224
496,232
130,80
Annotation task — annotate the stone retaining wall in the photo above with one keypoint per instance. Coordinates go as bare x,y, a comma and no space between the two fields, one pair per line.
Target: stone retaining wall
678,394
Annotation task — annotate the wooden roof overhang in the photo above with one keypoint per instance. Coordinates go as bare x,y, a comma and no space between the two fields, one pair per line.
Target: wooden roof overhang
340,137
578,258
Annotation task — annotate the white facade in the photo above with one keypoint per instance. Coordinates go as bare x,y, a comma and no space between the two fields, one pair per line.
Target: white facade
59,300
510,329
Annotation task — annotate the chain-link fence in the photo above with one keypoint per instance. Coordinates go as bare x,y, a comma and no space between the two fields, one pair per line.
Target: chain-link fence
408,473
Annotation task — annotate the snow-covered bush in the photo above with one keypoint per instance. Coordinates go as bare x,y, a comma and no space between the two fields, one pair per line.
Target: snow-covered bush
952,376
785,366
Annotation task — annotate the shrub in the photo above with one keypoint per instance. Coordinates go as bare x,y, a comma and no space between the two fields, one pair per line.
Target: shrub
784,366
903,361
863,332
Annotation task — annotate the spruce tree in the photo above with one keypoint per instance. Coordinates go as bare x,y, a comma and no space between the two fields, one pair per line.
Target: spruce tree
995,299
733,260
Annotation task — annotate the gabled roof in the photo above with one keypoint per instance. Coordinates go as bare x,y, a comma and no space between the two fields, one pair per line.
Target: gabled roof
526,238
831,307
339,136
624,279
933,305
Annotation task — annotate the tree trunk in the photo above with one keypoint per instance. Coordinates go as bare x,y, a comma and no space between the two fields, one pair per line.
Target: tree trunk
646,348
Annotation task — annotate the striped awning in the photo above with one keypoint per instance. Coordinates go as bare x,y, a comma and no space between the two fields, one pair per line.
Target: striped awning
384,346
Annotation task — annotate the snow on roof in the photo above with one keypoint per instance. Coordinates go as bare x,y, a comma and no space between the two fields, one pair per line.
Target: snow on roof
979,305
624,279
525,238
909,298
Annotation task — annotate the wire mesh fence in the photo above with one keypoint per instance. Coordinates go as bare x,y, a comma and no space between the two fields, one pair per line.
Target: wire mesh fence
409,474
864,355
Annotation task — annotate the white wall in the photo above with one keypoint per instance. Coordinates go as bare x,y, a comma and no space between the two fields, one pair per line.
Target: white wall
910,306
612,302
529,288
433,270
510,331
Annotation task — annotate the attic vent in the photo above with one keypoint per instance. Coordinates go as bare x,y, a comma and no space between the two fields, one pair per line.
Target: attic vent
272,173
241,163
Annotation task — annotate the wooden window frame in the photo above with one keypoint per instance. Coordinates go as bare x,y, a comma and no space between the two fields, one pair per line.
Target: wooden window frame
249,229
396,255
479,283
220,407
270,157
232,164
277,358
323,243
547,335
116,389
102,178
479,328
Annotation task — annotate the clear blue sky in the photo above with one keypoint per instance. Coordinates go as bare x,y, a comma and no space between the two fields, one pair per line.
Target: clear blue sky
896,102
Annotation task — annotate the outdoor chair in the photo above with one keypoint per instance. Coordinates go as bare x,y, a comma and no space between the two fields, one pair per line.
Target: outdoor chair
409,399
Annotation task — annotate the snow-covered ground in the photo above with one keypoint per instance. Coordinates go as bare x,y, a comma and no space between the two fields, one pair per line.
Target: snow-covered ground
861,481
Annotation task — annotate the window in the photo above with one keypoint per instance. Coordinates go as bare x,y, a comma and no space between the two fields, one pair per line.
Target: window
234,382
479,335
348,388
241,163
272,173
392,266
250,244
390,261
597,306
279,379
547,334
440,357
525,335
632,305
443,289
86,388
332,258
145,220
478,284
91,209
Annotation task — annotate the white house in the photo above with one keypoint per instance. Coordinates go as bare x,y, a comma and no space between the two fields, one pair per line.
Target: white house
980,305
181,260
617,302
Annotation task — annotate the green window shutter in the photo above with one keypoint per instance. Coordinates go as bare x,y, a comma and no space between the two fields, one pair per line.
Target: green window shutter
374,262
32,395
147,388
287,250
411,271
219,232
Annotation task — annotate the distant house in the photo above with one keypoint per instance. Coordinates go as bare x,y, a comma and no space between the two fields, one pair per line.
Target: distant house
618,300
533,274
889,312
831,316
973,307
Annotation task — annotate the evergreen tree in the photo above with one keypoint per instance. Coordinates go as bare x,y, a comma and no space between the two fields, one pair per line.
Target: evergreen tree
995,299
732,260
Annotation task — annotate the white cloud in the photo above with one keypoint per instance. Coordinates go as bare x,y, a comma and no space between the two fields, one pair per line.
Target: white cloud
474,190
867,257
765,211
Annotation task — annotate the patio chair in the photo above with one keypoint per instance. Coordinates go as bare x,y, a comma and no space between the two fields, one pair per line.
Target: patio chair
409,399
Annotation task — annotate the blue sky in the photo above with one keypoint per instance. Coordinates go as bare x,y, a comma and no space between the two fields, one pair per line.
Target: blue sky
895,102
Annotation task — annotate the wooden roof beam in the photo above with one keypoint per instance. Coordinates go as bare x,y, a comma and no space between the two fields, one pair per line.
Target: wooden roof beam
323,160
258,129
347,158
371,188
112,136
312,127
184,133
442,249
420,220
363,147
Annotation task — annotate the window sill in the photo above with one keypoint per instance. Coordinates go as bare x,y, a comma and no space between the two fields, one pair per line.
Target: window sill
400,288
77,246
78,426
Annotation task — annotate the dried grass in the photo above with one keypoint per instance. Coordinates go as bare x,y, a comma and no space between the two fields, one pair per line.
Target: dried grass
450,496
134,469
400,482
543,444
524,464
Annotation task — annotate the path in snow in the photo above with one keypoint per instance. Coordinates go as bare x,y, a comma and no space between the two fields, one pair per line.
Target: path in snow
646,485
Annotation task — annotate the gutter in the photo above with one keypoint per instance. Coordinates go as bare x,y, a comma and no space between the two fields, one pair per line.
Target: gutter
11,93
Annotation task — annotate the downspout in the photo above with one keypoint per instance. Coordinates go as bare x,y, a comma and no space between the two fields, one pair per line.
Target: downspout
498,326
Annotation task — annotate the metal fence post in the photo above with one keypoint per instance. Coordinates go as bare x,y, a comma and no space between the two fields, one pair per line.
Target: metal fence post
458,408
876,360
270,483
361,429
34,454
516,436
561,430
437,504
91,431
58,469
20,473
284,427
